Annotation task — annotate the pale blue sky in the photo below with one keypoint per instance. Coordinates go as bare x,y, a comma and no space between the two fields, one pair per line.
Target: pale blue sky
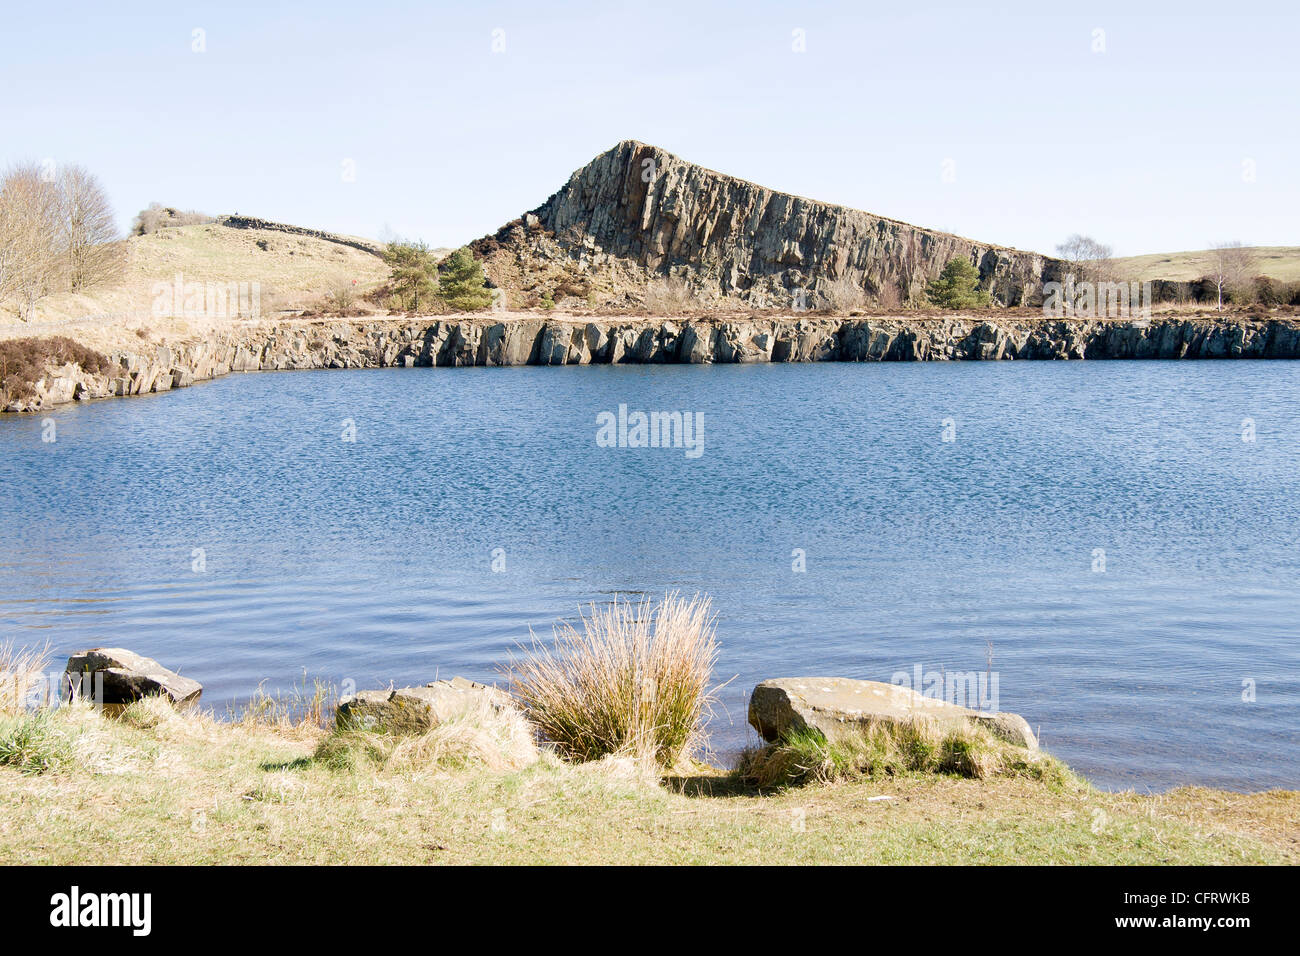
1143,145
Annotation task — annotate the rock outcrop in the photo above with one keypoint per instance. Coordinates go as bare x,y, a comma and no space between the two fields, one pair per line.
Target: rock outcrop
415,710
838,705
636,213
112,675
528,340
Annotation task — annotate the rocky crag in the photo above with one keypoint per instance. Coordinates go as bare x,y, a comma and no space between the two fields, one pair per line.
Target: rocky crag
491,340
635,214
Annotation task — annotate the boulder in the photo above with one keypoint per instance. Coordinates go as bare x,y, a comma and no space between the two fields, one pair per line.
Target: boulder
835,705
127,677
414,710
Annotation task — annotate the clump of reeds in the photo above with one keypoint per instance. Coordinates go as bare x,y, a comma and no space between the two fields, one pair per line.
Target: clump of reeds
633,679
309,705
22,669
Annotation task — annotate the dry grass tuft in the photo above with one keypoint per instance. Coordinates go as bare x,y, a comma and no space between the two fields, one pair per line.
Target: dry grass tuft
483,737
633,681
22,669
889,748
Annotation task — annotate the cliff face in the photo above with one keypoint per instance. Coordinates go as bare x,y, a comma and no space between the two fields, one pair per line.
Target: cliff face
636,212
383,343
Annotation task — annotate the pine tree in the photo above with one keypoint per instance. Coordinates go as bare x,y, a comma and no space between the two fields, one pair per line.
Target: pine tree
462,284
414,273
957,287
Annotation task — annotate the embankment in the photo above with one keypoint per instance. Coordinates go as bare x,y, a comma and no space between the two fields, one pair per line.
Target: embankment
491,339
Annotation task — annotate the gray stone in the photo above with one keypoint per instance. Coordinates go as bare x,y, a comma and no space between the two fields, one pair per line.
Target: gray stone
127,677
838,705
414,710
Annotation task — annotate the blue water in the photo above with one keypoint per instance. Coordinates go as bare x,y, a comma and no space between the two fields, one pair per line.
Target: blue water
371,561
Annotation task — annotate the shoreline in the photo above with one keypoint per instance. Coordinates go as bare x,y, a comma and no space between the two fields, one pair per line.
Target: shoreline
494,339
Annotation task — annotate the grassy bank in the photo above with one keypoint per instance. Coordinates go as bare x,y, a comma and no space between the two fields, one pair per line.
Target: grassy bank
154,786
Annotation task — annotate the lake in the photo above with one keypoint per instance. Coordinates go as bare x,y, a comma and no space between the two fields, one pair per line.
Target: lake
1115,541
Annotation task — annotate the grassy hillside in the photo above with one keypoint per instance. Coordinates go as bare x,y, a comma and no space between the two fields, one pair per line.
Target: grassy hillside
294,272
1278,262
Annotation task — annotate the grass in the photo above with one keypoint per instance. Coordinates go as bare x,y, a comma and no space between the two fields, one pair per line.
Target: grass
888,749
22,670
476,738
634,680
1278,262
155,786
33,743
310,703
292,272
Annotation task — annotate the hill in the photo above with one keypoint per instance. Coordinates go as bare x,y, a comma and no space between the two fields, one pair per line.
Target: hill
293,270
1277,262
636,215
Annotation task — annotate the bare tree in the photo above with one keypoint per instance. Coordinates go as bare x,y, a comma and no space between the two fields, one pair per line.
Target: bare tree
1089,259
29,222
1231,267
87,235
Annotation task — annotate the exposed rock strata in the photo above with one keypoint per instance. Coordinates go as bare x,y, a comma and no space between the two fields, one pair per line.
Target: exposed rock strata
487,340
636,212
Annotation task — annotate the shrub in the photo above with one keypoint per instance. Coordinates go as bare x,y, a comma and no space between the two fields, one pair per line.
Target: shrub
633,681
957,287
342,297
462,283
670,296
887,748
157,216
24,362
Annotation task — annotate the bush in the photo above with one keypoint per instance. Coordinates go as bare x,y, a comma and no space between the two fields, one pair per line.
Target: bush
670,296
884,748
957,287
24,362
634,681
462,283
157,216
1269,293
341,297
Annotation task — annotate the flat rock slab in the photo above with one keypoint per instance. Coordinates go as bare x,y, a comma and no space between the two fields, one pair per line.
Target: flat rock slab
415,710
127,677
835,705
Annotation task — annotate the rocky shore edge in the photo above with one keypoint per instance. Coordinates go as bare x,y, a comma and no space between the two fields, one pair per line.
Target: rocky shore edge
830,706
492,341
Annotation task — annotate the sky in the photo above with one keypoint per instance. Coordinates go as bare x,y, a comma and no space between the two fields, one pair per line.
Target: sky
1152,127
